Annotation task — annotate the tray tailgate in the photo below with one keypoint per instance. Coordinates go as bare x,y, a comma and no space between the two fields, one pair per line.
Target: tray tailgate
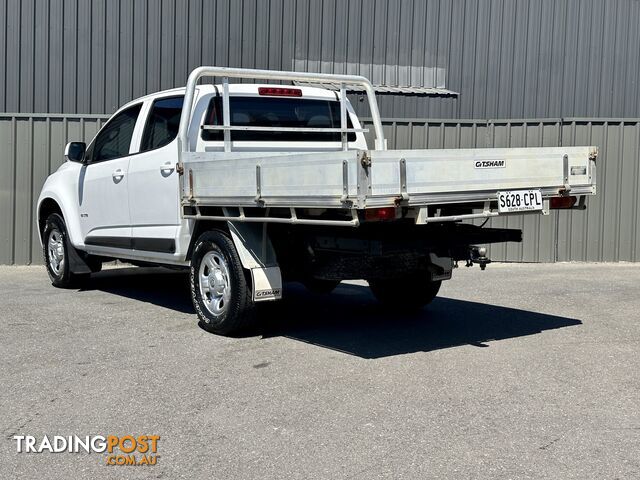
464,170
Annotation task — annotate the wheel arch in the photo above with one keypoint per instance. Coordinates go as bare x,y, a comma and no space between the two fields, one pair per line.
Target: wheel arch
199,228
46,207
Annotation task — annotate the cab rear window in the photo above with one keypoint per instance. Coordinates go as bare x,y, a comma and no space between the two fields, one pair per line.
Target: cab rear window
277,112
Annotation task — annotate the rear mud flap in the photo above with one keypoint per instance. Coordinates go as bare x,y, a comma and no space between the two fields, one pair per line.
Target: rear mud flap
440,267
257,255
267,284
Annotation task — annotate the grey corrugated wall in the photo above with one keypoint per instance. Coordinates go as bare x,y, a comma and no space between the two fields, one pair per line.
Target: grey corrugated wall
32,147
606,231
506,58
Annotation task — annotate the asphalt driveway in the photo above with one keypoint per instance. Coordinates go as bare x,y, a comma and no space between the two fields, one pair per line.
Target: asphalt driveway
521,371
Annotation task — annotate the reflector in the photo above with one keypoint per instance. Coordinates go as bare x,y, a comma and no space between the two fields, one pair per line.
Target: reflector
562,202
386,213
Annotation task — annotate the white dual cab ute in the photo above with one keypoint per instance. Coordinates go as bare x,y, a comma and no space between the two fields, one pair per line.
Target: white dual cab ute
248,185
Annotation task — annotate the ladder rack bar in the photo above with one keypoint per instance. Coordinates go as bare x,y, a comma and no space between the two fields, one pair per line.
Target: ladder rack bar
255,74
281,129
343,117
226,114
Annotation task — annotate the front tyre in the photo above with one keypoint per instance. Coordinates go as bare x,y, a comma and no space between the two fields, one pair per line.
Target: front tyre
220,292
407,293
55,249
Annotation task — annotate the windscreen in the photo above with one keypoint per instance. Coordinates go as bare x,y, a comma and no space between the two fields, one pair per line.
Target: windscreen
277,112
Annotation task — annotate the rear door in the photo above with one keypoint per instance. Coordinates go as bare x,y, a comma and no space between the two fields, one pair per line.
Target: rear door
102,195
153,180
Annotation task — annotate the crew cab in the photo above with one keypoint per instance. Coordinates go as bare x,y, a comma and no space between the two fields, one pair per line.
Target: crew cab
250,184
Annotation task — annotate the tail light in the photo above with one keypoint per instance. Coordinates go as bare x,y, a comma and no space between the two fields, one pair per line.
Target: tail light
279,92
380,214
562,202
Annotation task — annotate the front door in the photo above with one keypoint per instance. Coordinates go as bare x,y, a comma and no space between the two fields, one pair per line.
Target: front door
103,186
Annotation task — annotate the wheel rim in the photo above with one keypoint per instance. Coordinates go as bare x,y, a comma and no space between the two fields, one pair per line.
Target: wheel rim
55,249
215,285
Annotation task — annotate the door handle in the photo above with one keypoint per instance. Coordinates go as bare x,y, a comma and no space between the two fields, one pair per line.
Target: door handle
167,168
118,174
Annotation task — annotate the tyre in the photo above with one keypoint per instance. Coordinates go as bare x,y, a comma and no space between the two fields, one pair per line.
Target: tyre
408,293
55,249
220,290
319,286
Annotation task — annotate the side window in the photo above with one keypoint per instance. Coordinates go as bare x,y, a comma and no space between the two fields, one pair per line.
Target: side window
163,122
114,139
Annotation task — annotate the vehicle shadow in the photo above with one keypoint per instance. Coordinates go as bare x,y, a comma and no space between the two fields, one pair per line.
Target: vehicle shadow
349,320
158,286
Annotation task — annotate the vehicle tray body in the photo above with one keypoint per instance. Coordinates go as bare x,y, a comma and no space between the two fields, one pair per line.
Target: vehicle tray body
376,178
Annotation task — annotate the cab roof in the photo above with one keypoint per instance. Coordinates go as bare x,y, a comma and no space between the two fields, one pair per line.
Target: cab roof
239,89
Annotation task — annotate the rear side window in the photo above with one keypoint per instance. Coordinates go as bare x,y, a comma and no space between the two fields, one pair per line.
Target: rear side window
114,139
277,112
162,123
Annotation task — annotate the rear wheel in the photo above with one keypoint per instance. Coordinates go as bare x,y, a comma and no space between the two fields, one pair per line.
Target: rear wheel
56,249
407,293
220,290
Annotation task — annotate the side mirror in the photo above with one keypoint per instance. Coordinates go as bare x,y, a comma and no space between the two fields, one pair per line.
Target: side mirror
74,151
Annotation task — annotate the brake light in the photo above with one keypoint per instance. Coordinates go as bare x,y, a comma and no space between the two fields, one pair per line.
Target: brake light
279,92
378,214
562,202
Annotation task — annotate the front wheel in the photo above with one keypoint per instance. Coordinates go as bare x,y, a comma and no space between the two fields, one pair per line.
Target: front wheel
56,248
220,291
408,293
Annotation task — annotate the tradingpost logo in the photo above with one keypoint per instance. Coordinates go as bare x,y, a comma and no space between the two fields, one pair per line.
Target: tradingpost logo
120,450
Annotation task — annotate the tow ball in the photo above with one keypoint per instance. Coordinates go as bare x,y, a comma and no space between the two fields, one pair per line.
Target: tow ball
478,255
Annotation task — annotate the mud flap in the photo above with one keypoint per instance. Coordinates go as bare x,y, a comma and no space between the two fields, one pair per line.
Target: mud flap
77,264
258,256
267,284
441,267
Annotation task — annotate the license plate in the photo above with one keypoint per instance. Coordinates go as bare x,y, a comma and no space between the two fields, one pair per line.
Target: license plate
519,201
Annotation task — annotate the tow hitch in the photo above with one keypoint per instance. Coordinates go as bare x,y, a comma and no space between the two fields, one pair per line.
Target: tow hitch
478,255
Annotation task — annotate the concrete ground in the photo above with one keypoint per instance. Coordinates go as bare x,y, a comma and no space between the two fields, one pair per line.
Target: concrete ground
521,371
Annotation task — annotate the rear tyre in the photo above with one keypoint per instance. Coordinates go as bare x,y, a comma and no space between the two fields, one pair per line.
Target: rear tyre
220,290
55,249
408,293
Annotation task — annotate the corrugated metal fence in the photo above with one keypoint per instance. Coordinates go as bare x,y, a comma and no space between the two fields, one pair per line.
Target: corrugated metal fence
506,58
32,147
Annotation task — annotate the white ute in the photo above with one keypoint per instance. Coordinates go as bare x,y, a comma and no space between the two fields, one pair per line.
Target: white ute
250,184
